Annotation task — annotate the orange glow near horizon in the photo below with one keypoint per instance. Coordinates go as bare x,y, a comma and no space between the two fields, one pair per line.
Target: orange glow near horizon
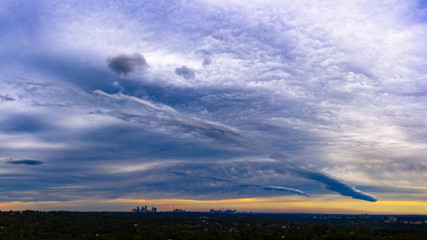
276,205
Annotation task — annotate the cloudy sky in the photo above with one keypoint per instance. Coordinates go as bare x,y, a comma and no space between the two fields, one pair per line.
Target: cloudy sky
284,106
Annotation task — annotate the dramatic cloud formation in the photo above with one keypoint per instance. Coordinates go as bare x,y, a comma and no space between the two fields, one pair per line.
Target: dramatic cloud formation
303,99
125,64
329,182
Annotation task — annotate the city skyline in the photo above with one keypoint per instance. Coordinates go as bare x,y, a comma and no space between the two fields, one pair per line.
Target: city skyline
273,106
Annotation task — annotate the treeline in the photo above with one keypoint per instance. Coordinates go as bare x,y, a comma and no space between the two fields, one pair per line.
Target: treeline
86,225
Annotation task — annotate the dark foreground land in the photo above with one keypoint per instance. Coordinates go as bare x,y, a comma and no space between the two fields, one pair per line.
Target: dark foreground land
191,225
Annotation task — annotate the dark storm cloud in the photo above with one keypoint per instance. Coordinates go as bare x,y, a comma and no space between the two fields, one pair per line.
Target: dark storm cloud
125,64
185,72
24,162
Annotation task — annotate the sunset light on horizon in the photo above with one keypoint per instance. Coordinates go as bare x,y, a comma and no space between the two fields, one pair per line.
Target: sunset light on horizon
273,106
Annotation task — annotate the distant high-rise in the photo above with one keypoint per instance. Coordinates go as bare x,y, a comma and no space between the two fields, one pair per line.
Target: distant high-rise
144,209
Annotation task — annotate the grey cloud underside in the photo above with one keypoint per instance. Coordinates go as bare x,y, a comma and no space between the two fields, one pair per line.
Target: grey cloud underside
125,64
6,98
206,61
186,72
24,123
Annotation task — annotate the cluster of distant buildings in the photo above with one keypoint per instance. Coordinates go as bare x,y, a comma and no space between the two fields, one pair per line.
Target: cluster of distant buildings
389,219
228,211
144,209
386,219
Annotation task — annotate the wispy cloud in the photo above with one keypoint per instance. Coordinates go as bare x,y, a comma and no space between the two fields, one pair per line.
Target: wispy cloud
166,116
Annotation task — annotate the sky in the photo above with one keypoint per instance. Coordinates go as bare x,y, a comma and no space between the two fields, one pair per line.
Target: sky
273,105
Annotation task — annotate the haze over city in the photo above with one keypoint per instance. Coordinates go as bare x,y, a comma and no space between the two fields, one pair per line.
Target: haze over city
265,106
